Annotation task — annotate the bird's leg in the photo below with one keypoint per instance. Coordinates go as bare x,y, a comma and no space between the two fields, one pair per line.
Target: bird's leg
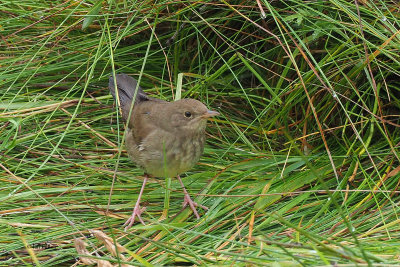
137,210
188,201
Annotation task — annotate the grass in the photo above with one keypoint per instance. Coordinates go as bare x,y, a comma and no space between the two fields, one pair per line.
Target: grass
301,168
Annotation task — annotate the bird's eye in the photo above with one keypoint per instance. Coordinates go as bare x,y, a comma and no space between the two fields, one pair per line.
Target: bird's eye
188,114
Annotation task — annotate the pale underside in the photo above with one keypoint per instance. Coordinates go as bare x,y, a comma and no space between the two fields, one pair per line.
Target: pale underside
167,154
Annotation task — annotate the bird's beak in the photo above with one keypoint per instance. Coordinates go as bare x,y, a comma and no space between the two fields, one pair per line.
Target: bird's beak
209,114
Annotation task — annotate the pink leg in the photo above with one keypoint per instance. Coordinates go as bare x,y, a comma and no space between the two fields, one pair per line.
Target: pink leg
188,201
137,211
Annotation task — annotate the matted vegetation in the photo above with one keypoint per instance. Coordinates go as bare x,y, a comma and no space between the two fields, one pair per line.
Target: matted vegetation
301,168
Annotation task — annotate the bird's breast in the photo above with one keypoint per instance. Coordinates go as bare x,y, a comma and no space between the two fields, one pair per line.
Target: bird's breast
184,152
166,154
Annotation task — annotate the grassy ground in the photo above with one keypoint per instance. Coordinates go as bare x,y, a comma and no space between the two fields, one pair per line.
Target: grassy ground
301,168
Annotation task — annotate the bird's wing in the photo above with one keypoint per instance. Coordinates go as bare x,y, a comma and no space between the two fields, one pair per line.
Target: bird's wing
144,119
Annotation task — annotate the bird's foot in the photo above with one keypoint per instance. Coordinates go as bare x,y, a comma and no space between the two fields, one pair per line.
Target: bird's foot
189,202
137,211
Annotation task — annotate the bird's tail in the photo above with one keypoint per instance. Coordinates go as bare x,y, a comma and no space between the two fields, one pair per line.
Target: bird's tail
127,86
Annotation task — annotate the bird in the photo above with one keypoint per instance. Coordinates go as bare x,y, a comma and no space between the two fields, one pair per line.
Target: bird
163,138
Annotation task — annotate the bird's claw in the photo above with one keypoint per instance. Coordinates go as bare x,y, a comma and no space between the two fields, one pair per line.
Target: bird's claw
137,211
189,202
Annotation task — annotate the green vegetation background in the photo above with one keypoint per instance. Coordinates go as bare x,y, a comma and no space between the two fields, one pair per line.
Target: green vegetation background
301,168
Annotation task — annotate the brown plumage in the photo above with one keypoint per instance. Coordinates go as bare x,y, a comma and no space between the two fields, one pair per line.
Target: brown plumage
164,138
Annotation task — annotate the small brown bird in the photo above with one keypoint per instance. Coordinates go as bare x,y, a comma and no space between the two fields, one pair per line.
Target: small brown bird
163,138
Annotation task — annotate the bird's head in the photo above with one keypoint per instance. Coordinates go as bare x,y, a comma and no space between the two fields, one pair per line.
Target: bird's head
188,115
